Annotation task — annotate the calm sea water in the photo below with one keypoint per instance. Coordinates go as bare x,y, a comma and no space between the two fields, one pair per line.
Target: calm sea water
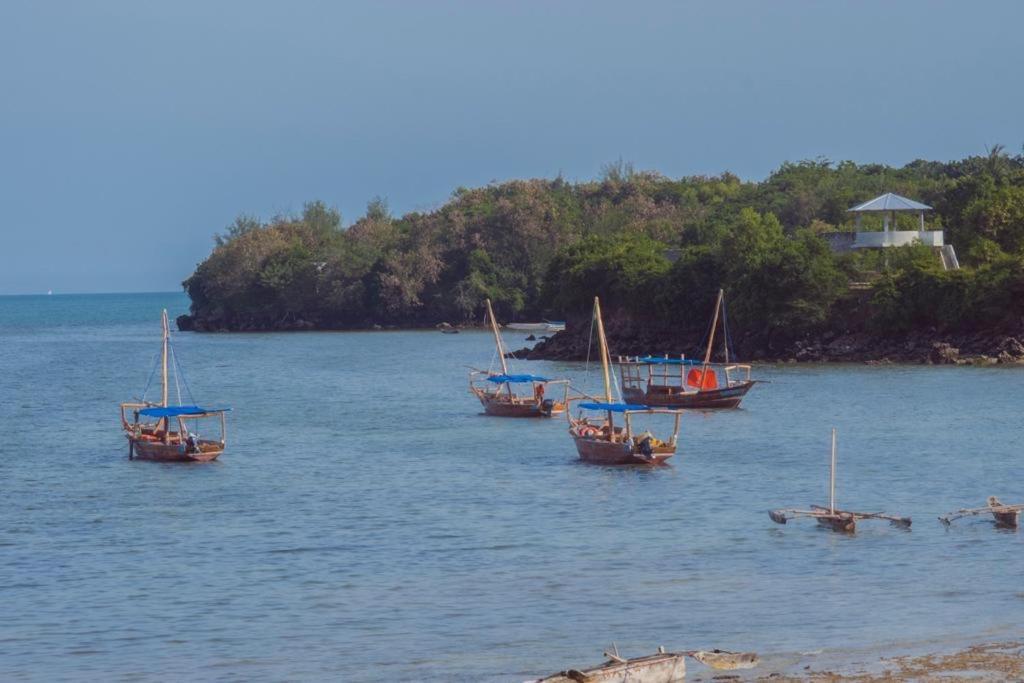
367,523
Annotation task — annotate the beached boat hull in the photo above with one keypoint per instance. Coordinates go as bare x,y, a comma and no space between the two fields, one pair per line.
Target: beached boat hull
659,668
601,452
502,407
708,399
203,451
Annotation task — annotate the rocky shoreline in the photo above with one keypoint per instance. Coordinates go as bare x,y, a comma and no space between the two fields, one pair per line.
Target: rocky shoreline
931,346
630,337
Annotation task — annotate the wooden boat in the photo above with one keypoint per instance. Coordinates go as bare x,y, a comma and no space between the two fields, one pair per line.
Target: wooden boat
685,383
1004,515
843,521
546,326
600,441
661,667
169,433
497,395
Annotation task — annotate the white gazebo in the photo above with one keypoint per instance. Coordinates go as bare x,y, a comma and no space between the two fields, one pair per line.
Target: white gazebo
889,205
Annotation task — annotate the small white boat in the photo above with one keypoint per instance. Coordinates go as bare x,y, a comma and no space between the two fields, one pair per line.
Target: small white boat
547,326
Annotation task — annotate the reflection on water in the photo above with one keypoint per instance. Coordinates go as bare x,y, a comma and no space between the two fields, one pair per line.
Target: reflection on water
366,523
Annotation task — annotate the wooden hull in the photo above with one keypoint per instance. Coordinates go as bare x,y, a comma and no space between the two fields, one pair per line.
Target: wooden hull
709,399
601,452
1007,518
660,668
174,452
502,407
841,522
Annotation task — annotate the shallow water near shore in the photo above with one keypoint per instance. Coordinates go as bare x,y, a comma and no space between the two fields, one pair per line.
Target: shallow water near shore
367,523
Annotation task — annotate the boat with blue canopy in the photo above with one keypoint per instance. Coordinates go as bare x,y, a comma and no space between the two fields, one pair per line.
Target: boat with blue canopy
600,440
686,382
168,432
498,391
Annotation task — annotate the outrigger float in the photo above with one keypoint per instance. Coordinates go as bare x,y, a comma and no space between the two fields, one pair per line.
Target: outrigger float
501,400
167,433
1007,516
661,667
600,440
837,520
687,383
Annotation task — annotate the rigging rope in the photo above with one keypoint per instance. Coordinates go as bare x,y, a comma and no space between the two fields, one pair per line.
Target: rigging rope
156,364
176,370
730,352
179,372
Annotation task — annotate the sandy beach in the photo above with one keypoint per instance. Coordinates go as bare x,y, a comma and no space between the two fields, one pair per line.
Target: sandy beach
983,661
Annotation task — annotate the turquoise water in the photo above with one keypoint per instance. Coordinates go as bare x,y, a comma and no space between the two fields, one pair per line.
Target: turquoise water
366,523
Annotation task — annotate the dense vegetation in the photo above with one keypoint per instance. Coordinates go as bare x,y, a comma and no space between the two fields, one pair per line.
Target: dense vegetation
656,246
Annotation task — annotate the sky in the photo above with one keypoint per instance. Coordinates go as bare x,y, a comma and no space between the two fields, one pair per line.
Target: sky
132,131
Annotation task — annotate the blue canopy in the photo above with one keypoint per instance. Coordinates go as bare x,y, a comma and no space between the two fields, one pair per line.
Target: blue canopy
518,379
177,411
613,407
652,360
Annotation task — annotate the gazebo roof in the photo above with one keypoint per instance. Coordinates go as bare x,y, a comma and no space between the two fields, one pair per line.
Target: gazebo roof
890,202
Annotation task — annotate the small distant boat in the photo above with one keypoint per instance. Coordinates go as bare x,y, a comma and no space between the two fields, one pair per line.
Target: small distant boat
661,667
165,432
600,441
496,390
1004,515
831,517
696,385
547,326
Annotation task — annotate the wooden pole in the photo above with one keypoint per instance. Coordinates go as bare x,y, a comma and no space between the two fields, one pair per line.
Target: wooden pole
832,477
711,339
604,363
497,342
497,337
604,351
167,335
163,376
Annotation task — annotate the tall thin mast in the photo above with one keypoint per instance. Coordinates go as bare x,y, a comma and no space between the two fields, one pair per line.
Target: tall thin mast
605,361
497,342
832,476
497,338
167,336
711,339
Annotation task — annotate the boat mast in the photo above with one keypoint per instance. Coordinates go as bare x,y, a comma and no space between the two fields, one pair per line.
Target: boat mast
711,339
497,337
497,342
163,359
605,363
605,360
832,477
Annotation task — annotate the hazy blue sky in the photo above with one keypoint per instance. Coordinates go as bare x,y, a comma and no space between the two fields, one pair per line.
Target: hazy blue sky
131,131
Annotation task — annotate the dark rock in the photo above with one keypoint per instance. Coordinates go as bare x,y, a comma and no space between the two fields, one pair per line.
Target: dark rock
186,323
943,354
1010,350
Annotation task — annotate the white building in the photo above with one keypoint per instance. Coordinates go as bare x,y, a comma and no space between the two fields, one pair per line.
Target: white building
888,206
